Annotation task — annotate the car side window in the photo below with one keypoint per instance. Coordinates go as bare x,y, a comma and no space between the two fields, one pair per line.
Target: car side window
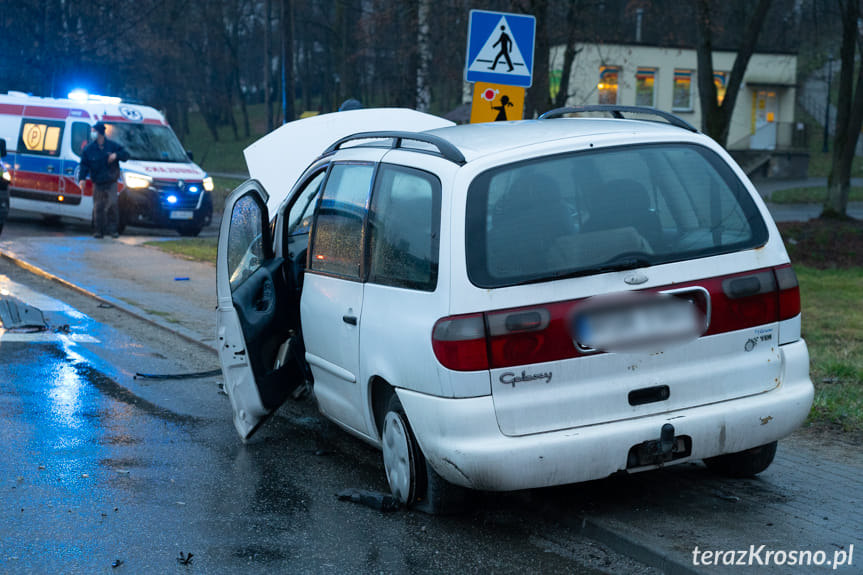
404,229
300,216
337,243
245,240
40,137
80,137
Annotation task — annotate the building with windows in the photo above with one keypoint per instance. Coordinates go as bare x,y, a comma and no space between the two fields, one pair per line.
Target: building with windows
666,78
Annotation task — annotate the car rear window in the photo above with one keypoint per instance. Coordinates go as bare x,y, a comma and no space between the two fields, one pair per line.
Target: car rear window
603,210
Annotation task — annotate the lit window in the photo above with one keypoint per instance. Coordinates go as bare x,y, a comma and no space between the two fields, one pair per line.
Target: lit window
720,79
682,95
607,86
645,79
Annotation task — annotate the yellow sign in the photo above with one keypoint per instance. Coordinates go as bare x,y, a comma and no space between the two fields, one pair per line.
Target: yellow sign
496,103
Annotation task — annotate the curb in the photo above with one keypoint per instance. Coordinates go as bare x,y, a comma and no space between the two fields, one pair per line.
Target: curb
632,548
178,331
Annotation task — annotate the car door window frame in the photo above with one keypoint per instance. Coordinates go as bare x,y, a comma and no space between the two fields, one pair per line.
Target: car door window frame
315,229
436,199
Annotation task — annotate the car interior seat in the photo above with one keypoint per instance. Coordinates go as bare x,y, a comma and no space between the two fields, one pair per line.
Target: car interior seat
624,203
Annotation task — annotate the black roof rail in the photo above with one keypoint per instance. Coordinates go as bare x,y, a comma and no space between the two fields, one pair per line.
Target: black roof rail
447,150
618,111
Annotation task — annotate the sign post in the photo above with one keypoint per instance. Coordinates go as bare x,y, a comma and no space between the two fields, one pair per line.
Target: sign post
500,55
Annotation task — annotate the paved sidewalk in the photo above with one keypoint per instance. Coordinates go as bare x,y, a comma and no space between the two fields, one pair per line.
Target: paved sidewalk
172,292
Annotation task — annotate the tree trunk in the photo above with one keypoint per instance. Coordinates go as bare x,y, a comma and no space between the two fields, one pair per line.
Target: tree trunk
848,116
569,54
538,99
424,48
288,54
268,97
716,118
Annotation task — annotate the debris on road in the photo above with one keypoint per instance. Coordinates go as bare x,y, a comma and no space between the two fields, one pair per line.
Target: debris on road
17,316
726,496
116,563
185,559
195,375
373,499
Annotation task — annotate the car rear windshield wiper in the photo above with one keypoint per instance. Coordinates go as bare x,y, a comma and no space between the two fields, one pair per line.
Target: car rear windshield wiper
616,264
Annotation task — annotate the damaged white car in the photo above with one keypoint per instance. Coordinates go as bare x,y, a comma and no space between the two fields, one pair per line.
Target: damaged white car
515,304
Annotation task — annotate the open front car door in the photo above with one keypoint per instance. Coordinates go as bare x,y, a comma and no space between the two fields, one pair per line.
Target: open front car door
257,325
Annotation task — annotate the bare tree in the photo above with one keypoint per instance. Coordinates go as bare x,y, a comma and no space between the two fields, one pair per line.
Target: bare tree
849,113
716,117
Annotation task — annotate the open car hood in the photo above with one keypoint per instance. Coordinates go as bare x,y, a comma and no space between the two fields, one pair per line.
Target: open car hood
278,159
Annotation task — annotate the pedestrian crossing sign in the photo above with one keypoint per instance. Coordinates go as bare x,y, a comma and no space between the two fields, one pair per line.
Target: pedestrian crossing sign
500,48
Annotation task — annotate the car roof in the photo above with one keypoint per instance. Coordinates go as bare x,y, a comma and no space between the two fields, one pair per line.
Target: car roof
478,140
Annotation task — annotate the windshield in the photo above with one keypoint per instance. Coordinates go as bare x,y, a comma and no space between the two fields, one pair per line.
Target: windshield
605,210
148,142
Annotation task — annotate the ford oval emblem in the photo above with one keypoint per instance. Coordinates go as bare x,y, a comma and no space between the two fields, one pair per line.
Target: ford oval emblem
635,279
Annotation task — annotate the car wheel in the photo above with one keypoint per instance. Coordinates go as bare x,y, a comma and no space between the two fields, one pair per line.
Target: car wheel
743,463
411,480
122,221
189,231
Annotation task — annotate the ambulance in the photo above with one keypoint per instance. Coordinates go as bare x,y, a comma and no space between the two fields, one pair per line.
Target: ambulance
160,186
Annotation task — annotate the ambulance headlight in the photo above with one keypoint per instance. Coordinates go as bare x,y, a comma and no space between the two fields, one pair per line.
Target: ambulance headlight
136,181
208,184
7,177
172,199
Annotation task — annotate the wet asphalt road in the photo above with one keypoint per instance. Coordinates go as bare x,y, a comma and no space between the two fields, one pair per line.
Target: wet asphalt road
95,475
99,466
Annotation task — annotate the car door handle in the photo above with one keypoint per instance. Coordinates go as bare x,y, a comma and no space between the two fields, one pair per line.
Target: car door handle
350,319
70,171
49,169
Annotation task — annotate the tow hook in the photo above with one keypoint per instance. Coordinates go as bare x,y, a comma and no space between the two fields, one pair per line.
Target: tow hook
658,451
666,440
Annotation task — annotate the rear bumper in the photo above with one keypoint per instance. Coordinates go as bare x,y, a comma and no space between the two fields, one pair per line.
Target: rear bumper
463,443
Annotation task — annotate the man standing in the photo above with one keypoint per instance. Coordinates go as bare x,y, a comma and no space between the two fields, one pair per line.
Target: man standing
101,161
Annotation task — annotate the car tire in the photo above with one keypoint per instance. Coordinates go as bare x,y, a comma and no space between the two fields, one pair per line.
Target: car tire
122,221
189,231
743,463
412,481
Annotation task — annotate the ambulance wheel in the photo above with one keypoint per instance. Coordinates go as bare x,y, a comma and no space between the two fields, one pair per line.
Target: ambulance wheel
189,231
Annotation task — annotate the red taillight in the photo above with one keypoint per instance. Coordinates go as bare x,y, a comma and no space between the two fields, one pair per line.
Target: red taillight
754,298
523,336
459,342
789,292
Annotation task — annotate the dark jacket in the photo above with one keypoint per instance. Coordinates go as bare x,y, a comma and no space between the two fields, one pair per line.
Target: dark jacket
94,162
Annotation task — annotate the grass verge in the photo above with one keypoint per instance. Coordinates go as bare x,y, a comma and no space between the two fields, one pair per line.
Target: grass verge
197,249
816,195
832,303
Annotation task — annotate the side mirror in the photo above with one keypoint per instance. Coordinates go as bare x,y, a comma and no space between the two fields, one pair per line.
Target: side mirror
191,155
2,148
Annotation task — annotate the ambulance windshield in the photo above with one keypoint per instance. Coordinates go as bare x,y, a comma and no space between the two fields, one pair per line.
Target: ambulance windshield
148,142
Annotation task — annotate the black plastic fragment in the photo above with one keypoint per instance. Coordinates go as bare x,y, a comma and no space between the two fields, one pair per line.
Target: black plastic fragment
373,499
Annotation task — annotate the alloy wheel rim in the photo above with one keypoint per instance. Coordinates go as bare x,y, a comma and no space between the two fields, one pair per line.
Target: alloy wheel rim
398,461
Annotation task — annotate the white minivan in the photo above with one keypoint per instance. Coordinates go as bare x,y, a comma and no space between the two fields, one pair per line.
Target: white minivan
514,304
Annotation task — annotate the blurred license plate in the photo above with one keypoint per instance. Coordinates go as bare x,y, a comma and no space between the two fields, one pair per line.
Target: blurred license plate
182,215
637,322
